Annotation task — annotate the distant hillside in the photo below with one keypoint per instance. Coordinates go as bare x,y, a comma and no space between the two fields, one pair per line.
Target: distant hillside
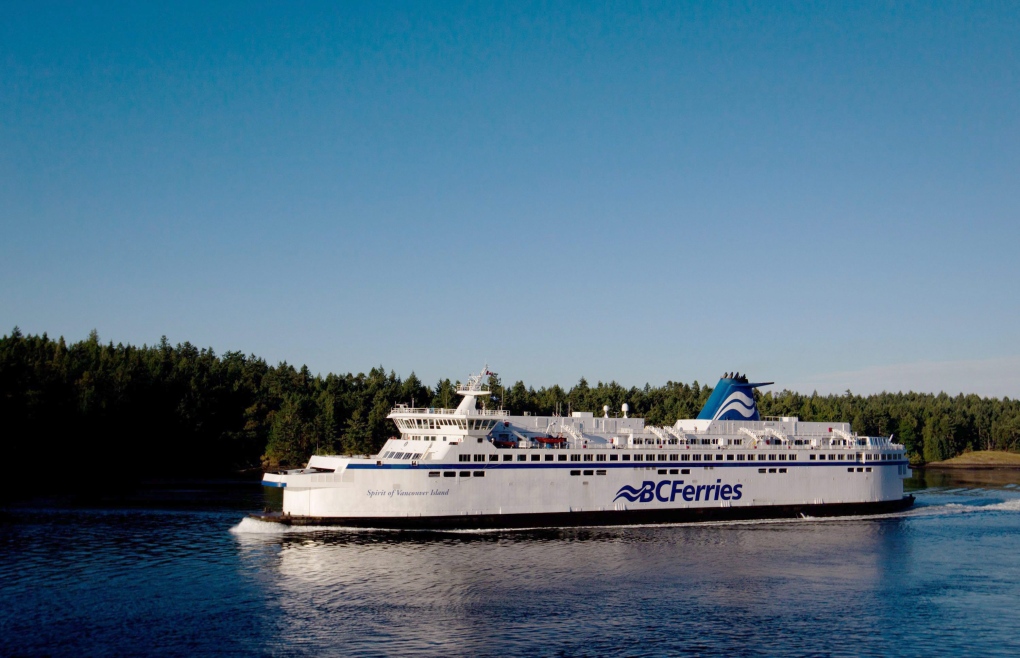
109,412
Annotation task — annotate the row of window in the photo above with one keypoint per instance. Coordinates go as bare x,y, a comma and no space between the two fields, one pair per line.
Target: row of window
598,472
866,469
656,457
439,423
401,455
771,470
453,474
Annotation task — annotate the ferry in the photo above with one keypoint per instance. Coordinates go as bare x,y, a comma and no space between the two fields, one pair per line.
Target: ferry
473,467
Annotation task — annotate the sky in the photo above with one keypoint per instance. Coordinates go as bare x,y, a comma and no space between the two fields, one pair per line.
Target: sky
824,195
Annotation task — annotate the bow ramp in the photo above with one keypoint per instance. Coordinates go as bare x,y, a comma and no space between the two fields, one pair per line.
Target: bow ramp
732,399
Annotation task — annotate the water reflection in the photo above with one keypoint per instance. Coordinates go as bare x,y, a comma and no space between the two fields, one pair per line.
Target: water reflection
939,579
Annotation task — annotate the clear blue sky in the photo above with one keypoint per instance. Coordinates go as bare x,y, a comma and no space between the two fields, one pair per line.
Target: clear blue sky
826,195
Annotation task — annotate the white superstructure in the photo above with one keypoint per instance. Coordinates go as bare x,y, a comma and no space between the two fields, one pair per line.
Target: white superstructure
471,467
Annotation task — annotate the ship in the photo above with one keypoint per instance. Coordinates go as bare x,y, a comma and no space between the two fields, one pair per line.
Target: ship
477,468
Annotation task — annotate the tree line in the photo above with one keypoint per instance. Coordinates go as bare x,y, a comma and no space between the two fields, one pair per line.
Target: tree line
164,410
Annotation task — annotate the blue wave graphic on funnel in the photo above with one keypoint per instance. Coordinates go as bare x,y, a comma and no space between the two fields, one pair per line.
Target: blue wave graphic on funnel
732,399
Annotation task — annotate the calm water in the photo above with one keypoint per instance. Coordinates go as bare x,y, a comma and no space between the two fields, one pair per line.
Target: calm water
178,573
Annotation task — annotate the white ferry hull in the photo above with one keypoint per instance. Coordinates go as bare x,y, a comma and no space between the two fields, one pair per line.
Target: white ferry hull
471,468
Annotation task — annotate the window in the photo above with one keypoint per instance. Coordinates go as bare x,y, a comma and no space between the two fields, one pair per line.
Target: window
600,458
685,458
508,458
772,458
480,439
600,472
465,474
772,470
589,457
536,458
729,458
479,474
674,458
416,455
575,472
493,458
850,470
589,472
464,458
867,470
449,474
662,471
561,458
718,458
740,458
614,458
626,458
685,471
522,458
761,470
548,458
479,458
433,474
638,458
575,458
812,457
782,470
782,458
697,458
860,470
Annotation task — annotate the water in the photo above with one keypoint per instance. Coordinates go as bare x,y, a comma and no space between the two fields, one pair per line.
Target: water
180,573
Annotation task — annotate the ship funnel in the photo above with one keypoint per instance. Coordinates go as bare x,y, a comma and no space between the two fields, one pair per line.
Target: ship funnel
732,399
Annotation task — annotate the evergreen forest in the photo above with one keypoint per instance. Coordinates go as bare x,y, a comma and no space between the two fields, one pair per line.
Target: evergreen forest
180,411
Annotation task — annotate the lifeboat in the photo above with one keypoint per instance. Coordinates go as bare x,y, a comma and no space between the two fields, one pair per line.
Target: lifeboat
549,440
504,444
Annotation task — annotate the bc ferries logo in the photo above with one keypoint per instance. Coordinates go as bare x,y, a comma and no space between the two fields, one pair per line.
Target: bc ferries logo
668,491
738,402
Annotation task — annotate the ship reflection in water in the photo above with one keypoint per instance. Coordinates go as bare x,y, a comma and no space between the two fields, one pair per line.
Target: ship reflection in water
776,587
171,578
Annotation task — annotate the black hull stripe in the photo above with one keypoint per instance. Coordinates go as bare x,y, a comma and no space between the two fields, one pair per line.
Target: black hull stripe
606,518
